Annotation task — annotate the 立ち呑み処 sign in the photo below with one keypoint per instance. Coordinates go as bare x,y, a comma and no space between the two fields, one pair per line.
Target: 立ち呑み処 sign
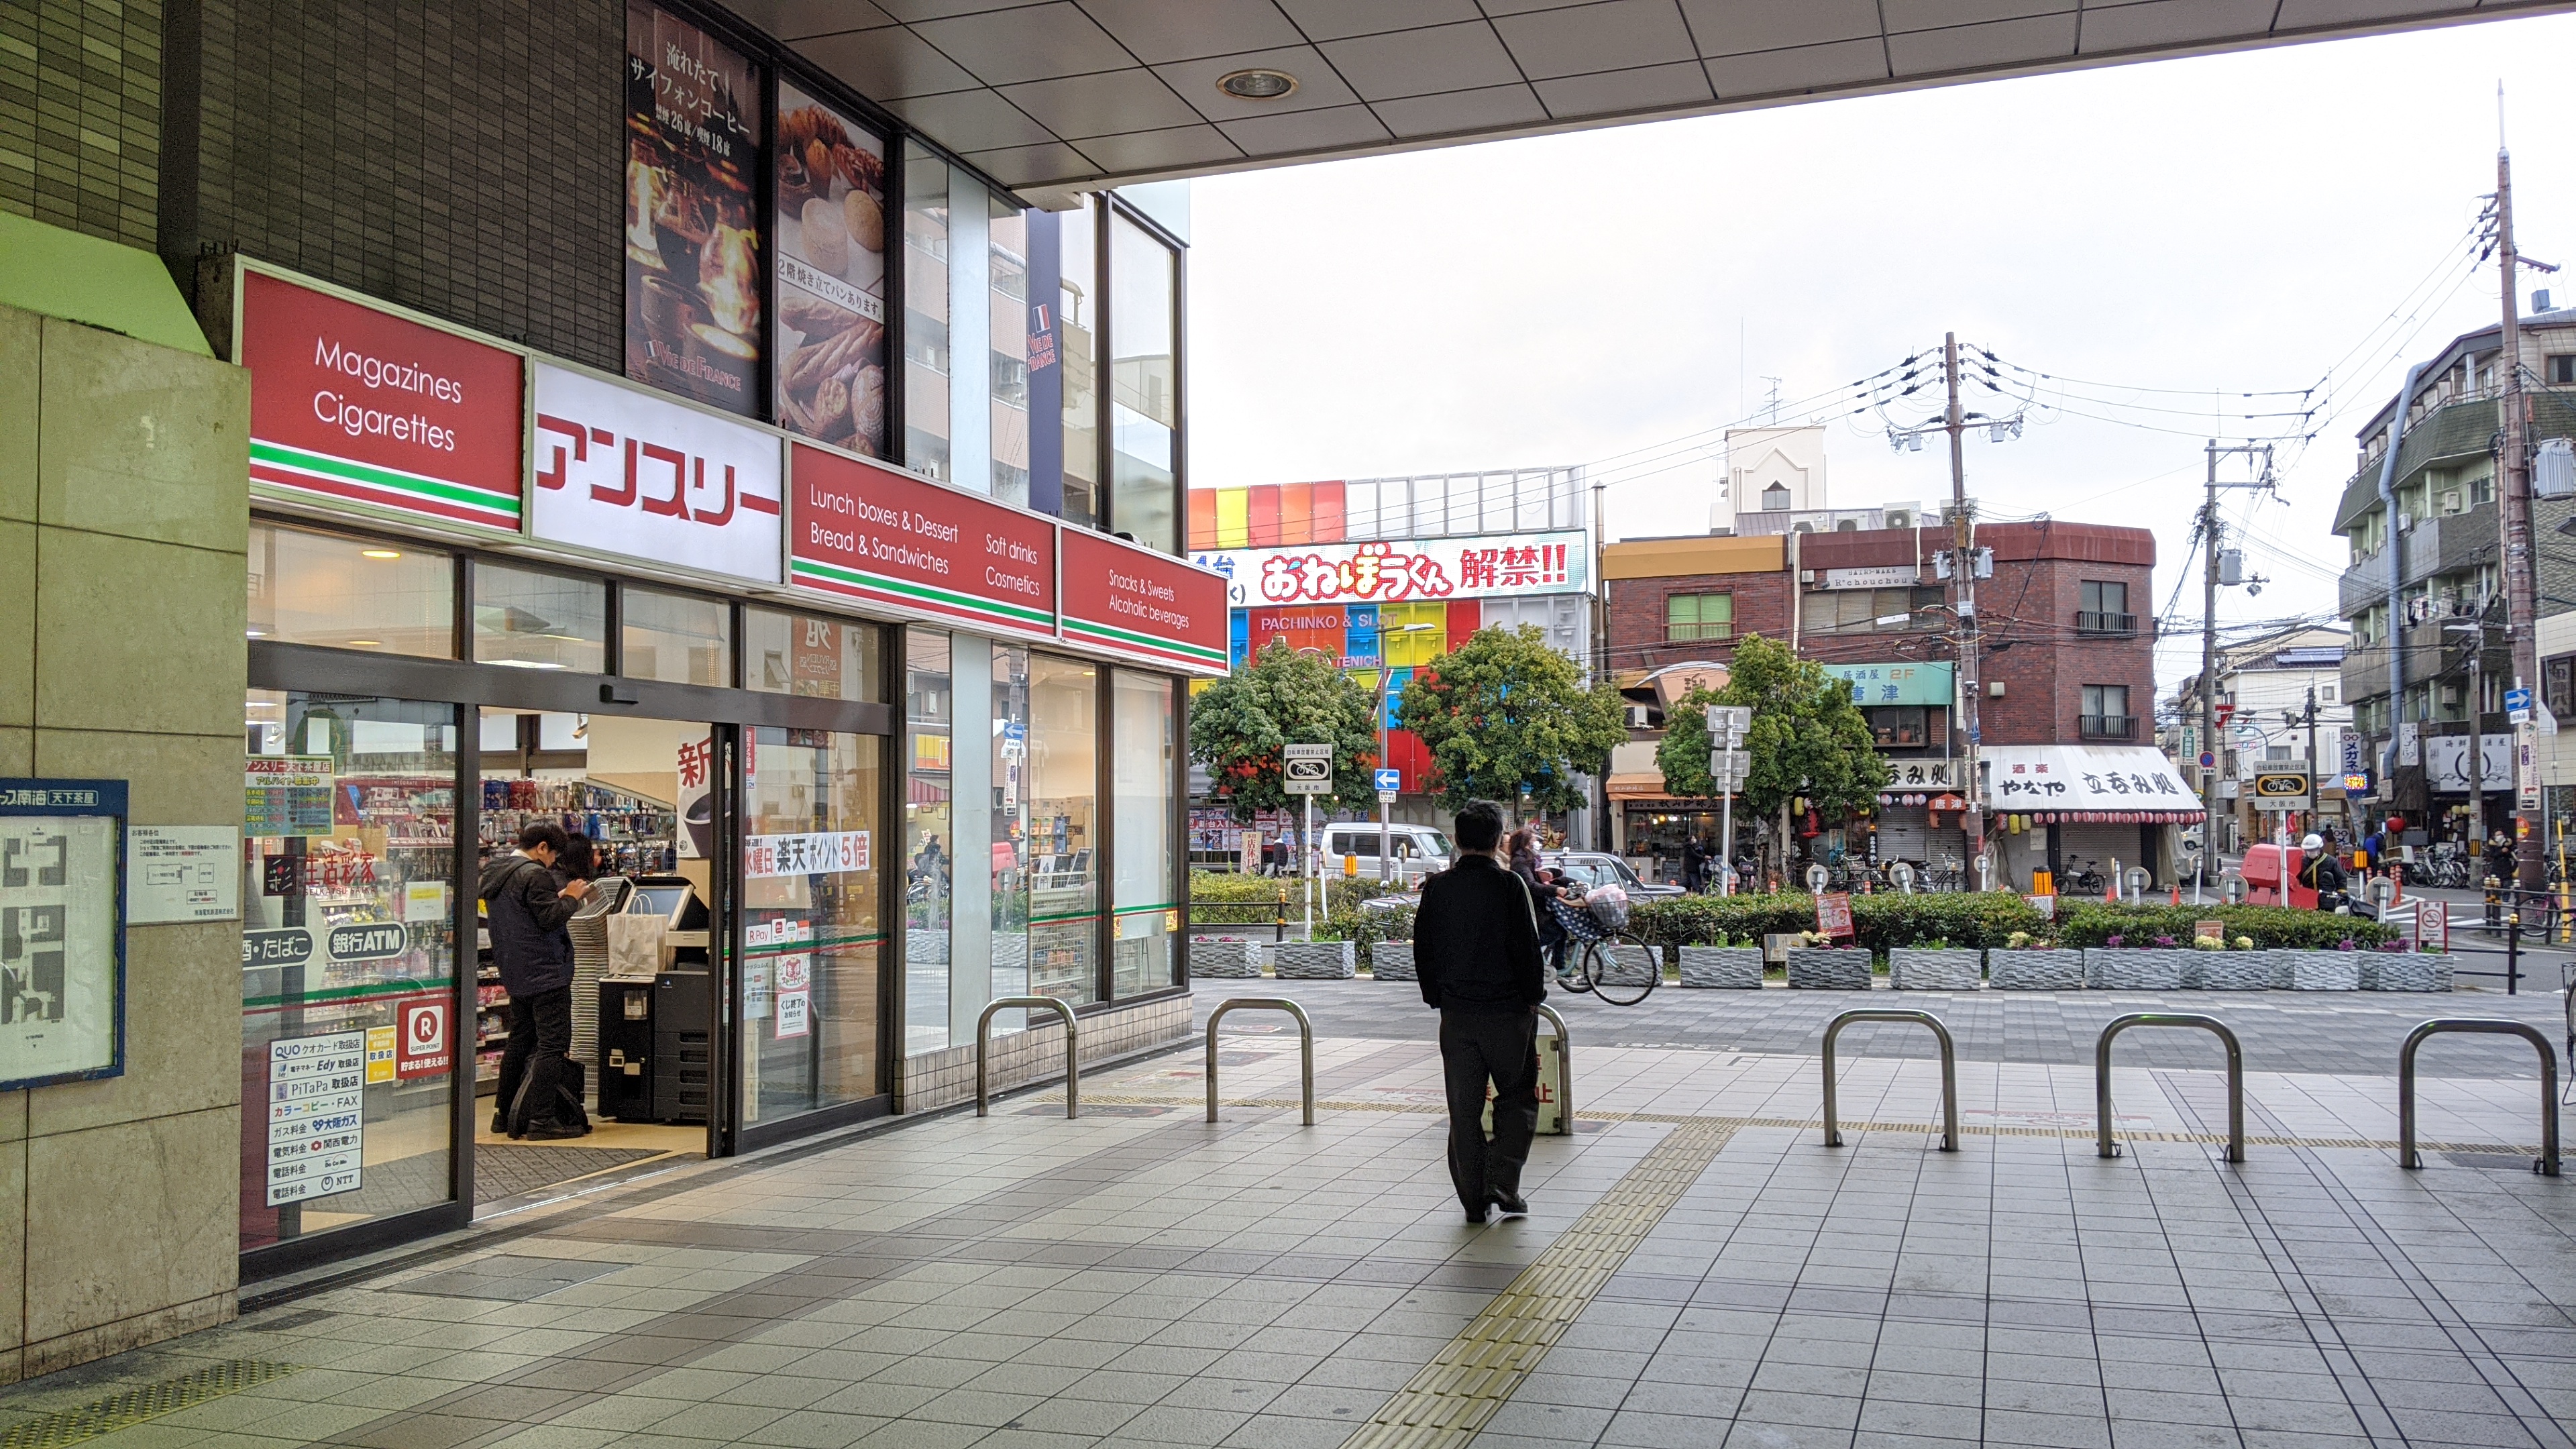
1142,604
355,405
871,533
623,471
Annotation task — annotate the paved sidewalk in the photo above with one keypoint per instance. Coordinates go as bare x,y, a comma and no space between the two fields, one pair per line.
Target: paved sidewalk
1698,1271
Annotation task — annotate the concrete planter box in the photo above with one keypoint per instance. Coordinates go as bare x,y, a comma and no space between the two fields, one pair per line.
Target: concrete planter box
1912,968
1822,968
1314,961
925,947
1736,968
2152,968
2316,970
2228,971
1224,956
2405,971
1392,961
1632,965
2059,970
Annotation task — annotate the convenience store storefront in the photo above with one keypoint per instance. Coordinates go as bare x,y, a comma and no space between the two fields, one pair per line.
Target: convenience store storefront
488,587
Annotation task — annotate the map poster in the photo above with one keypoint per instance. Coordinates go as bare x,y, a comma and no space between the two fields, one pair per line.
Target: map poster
62,930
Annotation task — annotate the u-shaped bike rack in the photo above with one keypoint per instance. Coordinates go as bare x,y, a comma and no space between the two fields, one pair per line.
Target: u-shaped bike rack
2547,1165
984,1041
1949,1070
1305,1046
1564,1071
2103,1145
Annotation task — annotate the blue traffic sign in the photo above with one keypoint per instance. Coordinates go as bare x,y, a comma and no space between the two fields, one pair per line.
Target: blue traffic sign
2208,761
2517,702
1390,780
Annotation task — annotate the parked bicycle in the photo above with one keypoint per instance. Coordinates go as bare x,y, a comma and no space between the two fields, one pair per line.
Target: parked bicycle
2086,879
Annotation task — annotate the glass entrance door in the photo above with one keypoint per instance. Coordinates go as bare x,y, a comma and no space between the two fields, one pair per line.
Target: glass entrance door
807,1036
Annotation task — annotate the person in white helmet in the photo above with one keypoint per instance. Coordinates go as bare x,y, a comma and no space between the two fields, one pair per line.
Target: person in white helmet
2322,873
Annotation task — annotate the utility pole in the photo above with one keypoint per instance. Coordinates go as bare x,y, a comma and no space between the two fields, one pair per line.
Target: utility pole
1599,832
1963,576
2210,534
2513,500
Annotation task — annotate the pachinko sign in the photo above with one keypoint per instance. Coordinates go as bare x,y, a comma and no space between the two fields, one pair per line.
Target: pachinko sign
1485,566
623,471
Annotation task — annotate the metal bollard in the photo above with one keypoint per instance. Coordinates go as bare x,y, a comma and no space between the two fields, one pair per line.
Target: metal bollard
1564,1070
1305,1046
2104,1146
1949,1070
984,1042
2547,1165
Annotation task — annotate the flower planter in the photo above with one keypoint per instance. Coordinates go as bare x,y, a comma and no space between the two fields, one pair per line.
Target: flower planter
2316,970
1392,961
1914,968
2059,970
1824,968
1314,961
1737,968
2151,968
2406,971
1223,956
2228,971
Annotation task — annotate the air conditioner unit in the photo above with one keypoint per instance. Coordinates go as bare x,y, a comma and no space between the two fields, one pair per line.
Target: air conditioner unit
2450,696
2405,521
1637,717
1806,576
2451,501
1900,518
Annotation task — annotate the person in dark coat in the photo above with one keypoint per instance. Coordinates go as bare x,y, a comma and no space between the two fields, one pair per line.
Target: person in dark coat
526,908
1476,950
1694,865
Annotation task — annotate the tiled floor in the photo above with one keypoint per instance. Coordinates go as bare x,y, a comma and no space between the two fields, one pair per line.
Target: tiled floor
1141,1277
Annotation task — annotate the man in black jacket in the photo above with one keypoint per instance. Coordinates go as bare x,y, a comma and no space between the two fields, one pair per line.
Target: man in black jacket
525,912
1475,944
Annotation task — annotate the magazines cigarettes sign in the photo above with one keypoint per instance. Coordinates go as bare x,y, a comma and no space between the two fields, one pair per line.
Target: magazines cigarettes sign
870,533
1142,604
355,405
620,470
1488,566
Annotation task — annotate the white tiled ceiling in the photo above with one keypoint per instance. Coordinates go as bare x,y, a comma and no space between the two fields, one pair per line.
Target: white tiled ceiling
1085,93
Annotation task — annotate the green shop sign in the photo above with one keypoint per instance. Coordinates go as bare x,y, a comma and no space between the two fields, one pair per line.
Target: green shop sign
1880,684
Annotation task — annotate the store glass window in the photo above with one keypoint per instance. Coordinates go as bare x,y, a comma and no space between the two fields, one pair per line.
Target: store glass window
533,620
349,1031
1144,731
1064,785
811,933
674,638
1898,725
1145,413
1011,817
1077,285
351,593
925,312
928,831
1008,252
1699,616
807,654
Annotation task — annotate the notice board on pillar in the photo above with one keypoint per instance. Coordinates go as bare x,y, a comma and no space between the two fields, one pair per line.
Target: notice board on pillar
62,931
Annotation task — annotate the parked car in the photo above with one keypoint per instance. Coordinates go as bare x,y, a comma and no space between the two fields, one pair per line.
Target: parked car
1419,850
1593,869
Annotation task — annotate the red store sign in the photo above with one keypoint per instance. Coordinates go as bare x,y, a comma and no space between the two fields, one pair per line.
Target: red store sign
871,533
350,404
1142,604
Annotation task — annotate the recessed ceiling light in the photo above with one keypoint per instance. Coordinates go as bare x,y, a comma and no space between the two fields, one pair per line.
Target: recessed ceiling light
366,643
379,553
1257,85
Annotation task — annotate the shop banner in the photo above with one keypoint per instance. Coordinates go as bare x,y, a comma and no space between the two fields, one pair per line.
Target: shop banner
1142,604
831,239
693,266
2103,779
865,532
1884,684
317,1101
355,405
1489,566
621,470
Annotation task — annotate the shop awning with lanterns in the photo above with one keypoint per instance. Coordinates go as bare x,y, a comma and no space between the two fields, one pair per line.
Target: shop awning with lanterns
2073,784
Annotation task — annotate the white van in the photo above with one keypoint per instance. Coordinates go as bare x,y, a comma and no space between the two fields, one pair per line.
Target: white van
1419,850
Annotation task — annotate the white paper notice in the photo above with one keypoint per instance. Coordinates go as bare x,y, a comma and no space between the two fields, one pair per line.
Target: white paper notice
424,901
182,873
317,1099
794,1016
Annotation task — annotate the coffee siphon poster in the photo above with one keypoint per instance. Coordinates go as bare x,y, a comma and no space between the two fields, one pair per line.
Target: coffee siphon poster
831,240
693,264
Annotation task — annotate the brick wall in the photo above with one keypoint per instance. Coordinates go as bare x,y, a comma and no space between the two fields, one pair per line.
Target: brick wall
80,115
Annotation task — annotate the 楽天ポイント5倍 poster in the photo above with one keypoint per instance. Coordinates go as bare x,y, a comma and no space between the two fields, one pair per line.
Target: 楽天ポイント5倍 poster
831,248
693,266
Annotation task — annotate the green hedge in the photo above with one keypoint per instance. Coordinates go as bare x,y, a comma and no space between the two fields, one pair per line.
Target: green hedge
1883,921
2269,927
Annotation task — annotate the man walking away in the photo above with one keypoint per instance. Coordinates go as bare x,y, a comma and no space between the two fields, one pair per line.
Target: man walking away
1475,943
526,911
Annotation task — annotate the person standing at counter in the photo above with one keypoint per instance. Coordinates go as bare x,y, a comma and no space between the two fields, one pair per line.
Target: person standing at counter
527,911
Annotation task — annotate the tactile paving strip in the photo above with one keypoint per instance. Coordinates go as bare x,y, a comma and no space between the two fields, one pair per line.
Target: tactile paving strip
134,1406
1471,1379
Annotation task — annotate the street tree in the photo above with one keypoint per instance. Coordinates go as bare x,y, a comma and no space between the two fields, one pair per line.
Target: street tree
1505,713
1282,697
1808,739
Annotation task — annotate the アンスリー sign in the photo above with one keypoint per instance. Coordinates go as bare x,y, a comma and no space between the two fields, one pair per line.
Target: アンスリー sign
1142,604
871,533
355,405
1483,567
625,472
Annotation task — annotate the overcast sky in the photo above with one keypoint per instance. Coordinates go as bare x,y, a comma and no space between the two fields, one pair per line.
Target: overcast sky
2236,223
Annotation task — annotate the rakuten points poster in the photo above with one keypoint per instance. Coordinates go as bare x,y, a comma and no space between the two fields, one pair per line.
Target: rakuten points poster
831,239
692,243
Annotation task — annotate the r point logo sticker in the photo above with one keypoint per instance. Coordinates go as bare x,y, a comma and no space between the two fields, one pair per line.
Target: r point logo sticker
422,1049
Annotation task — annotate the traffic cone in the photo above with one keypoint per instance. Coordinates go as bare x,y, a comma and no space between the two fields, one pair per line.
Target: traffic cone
2177,895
